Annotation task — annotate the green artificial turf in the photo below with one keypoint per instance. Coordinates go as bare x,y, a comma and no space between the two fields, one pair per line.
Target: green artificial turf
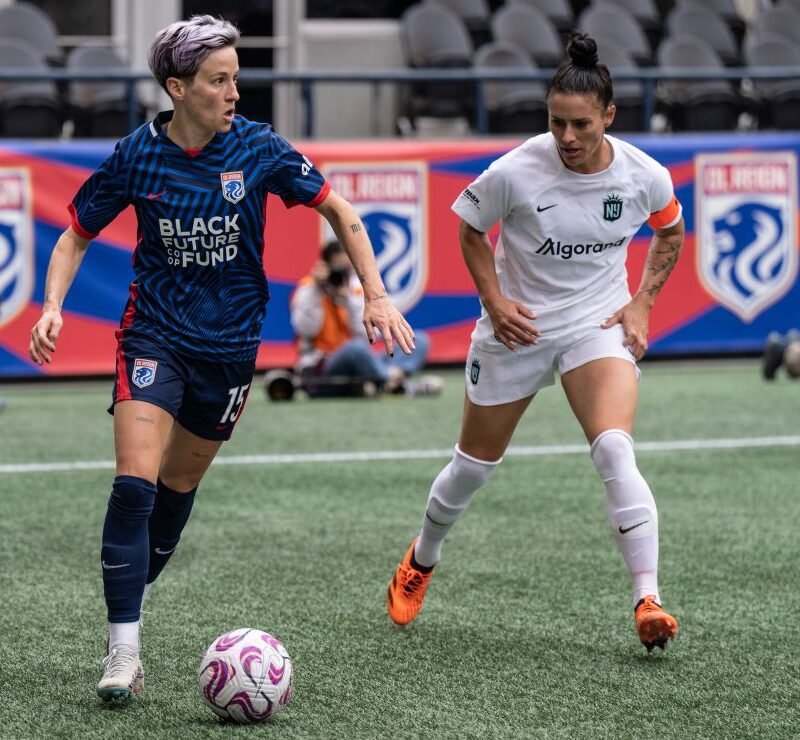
527,629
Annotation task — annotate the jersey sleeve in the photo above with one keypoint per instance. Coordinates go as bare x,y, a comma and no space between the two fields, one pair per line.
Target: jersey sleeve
292,176
486,200
665,209
101,198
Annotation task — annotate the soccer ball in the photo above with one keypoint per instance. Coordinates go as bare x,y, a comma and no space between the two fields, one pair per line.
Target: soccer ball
246,676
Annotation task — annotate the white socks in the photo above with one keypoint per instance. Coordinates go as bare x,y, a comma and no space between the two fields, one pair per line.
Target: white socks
450,495
126,633
631,509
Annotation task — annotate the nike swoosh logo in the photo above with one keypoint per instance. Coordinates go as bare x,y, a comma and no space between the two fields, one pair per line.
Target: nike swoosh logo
111,567
539,209
155,196
628,529
159,551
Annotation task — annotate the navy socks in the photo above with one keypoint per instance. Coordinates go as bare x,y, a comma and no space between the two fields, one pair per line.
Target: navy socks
170,514
124,554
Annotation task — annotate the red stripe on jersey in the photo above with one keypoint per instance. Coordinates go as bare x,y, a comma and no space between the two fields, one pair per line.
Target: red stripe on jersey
665,216
320,196
130,309
315,201
76,227
123,389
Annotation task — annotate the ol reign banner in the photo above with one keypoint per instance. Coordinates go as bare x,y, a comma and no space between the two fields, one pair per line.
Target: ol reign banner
392,200
16,243
746,228
736,280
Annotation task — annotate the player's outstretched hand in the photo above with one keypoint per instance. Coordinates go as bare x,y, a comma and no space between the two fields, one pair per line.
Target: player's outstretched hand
380,315
44,336
635,320
512,323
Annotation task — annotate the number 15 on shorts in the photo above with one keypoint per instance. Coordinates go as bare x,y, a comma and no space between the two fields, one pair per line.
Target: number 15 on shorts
237,395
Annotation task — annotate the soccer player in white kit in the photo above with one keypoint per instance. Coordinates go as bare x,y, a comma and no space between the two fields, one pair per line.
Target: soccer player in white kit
555,297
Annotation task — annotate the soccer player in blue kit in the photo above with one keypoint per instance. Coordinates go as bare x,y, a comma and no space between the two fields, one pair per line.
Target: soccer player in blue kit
198,178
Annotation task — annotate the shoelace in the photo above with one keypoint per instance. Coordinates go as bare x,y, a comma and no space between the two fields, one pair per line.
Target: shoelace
412,581
117,660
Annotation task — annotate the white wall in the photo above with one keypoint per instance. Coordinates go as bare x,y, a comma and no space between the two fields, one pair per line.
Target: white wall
346,111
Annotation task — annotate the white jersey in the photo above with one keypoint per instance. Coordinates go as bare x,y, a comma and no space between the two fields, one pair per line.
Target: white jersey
564,235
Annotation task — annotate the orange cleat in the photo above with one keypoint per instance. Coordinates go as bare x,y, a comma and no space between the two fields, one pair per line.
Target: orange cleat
406,590
653,624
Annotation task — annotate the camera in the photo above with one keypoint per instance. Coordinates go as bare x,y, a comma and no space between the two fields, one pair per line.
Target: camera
337,276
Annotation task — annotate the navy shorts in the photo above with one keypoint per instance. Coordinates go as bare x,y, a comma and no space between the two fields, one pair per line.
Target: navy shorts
206,398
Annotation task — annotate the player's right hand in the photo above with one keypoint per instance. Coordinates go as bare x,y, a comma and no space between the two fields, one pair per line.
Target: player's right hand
512,323
44,335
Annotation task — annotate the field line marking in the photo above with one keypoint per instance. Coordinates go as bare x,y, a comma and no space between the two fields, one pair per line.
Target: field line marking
687,445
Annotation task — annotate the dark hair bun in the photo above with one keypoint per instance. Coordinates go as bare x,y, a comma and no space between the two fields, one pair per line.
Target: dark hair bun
582,50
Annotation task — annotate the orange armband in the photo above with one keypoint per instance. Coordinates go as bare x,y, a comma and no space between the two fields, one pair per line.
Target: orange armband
666,216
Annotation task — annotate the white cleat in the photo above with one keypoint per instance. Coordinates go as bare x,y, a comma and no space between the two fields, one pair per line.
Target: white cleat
123,676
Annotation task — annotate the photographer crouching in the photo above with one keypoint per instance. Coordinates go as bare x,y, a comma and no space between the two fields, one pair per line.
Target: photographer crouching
334,357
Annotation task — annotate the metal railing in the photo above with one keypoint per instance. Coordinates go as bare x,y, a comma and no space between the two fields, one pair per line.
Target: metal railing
307,79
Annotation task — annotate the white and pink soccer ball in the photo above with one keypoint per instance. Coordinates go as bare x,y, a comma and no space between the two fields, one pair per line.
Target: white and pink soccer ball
246,676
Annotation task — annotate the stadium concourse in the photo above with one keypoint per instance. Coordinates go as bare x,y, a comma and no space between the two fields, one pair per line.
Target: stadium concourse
640,37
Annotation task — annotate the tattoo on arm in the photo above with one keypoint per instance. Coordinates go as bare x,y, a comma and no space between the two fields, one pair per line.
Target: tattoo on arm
199,454
661,260
362,278
355,228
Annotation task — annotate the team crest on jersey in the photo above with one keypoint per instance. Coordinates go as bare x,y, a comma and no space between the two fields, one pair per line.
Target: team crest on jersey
612,207
232,186
391,199
144,372
745,214
16,242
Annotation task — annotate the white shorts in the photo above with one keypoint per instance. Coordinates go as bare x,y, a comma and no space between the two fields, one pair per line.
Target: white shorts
494,374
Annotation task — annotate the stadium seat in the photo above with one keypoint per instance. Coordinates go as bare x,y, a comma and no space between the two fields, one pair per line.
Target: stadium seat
517,106
98,108
434,37
698,21
558,11
778,100
628,94
781,20
531,31
696,105
611,25
647,15
475,14
26,22
726,9
27,109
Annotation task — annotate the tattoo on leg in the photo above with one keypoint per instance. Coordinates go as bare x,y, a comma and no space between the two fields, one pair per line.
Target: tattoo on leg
145,419
200,455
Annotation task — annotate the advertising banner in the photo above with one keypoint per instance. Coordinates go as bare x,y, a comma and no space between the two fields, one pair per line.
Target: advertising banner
735,282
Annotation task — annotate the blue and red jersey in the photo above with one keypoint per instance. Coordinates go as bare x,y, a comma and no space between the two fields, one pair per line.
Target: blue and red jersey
199,284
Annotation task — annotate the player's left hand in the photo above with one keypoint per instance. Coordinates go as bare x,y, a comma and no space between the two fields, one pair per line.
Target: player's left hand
380,315
635,320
